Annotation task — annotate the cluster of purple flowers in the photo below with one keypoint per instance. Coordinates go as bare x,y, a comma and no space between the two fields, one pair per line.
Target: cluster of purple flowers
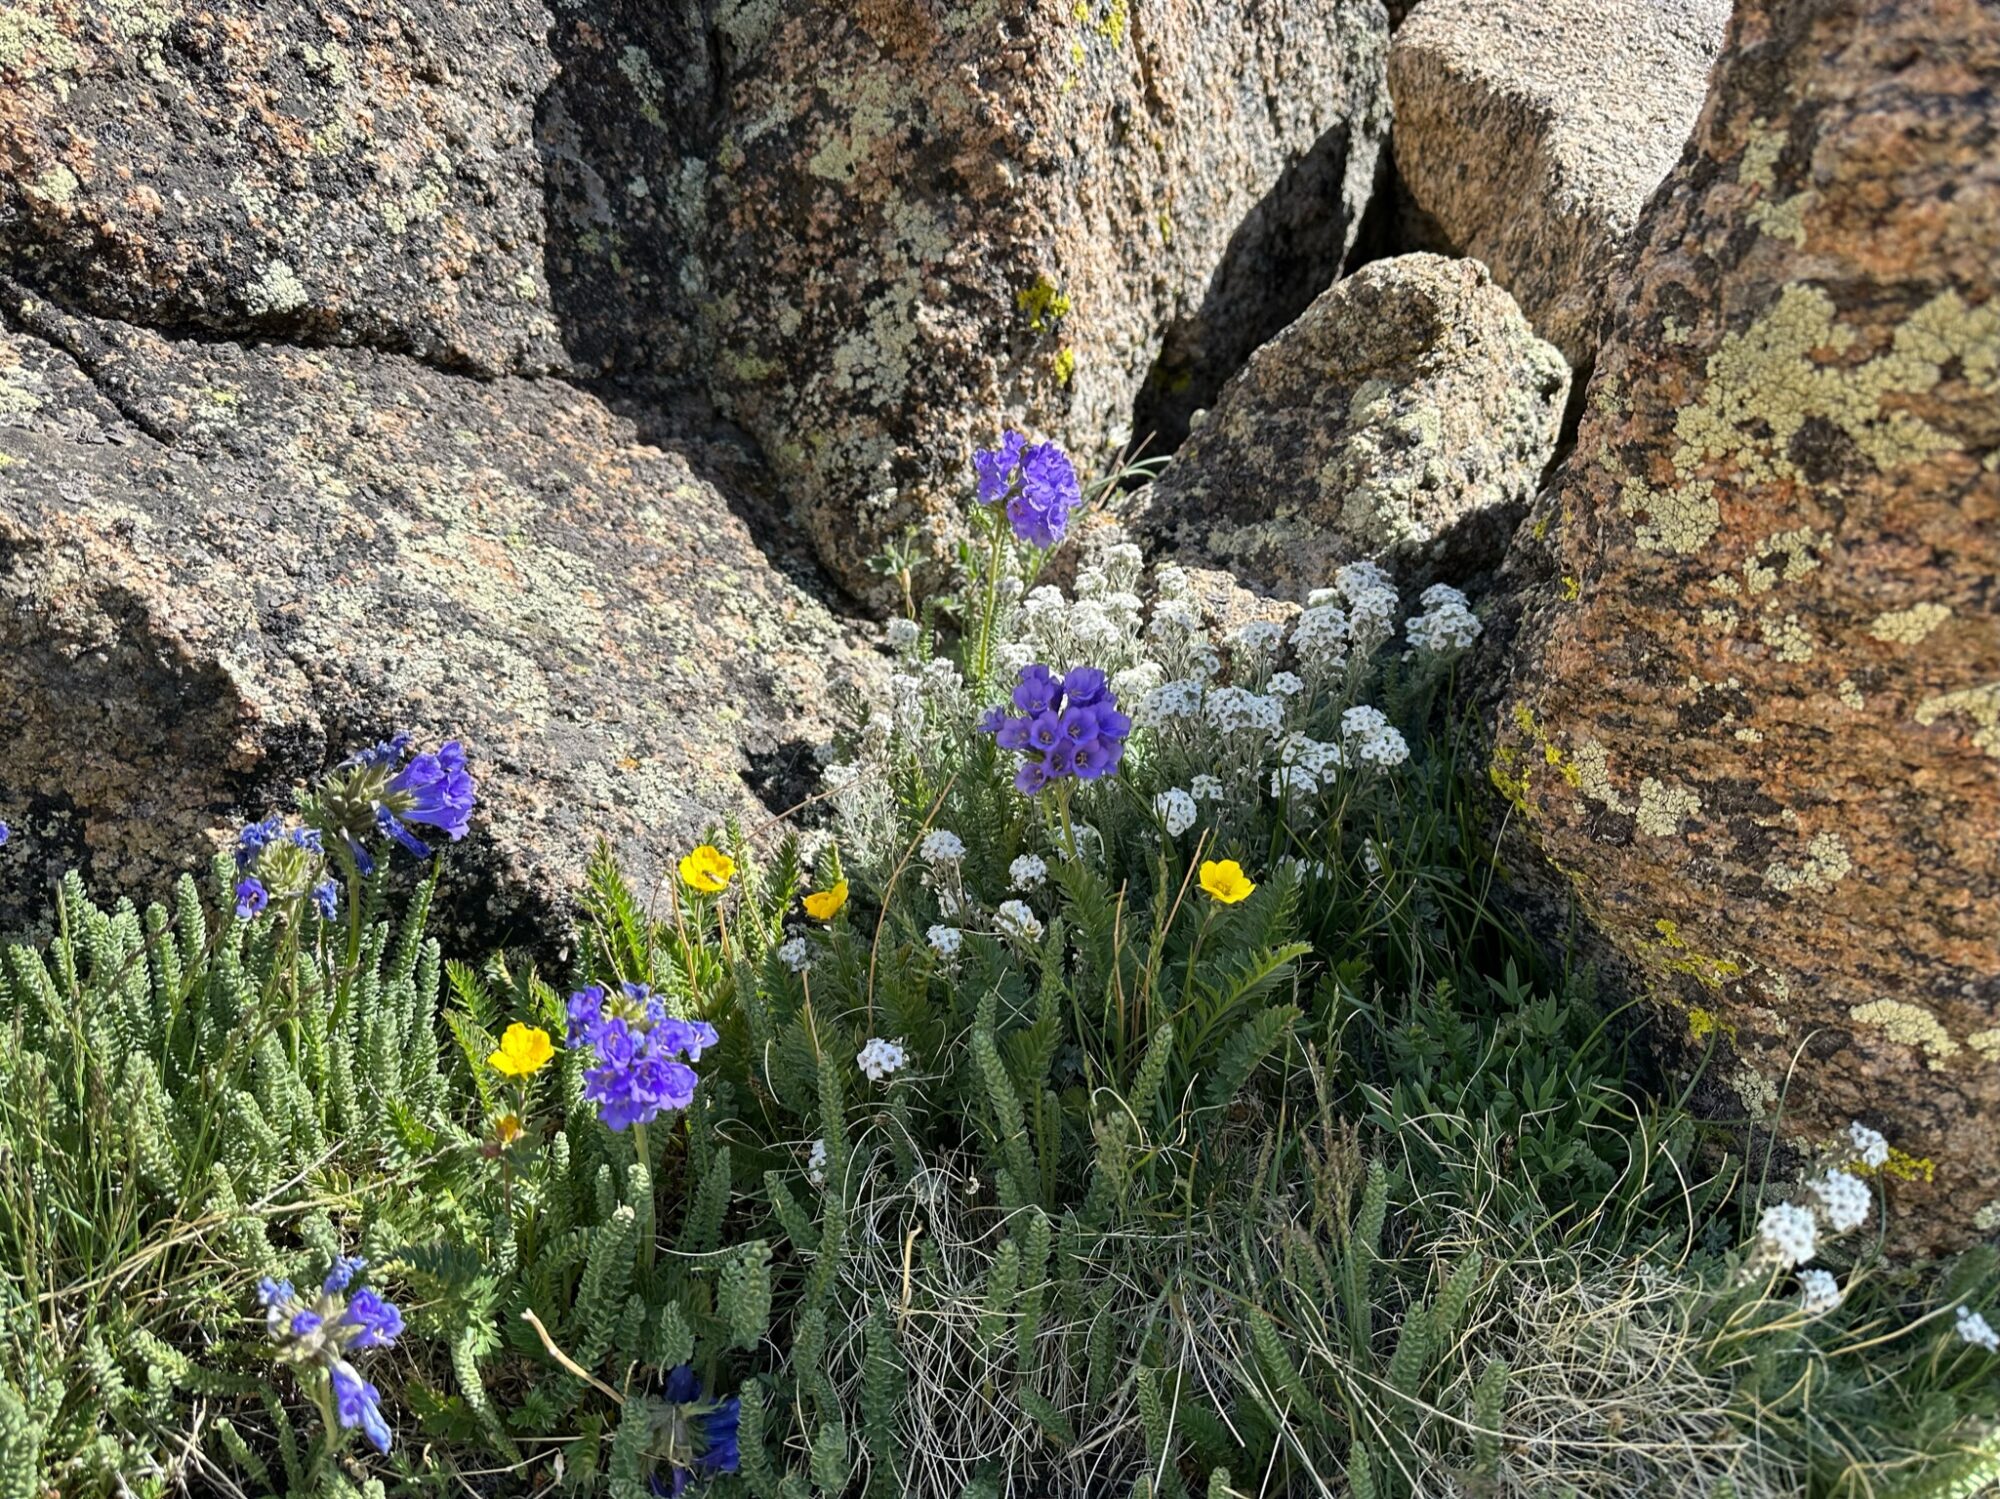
1068,725
375,791
324,1332
700,1434
1035,481
639,1046
275,859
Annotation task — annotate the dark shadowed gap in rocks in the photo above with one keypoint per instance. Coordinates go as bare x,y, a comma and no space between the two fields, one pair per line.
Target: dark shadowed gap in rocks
1287,250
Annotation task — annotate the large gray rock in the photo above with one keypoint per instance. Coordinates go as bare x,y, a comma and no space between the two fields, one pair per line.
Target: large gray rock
223,567
1532,131
1406,417
923,221
353,172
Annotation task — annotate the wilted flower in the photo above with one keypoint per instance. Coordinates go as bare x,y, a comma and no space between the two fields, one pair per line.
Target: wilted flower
1225,881
707,869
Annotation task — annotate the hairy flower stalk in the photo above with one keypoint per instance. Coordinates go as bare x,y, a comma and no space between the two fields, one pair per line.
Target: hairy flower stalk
319,1337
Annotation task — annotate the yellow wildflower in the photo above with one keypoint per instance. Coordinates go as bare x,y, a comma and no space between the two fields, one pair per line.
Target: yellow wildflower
1226,881
708,869
524,1051
824,905
507,1129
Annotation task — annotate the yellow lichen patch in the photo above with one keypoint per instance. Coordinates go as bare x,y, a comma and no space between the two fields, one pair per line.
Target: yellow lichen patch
1986,1043
1662,807
1979,704
1908,626
1826,865
1503,774
1705,1023
1672,954
1719,621
1043,303
1911,1025
1905,1167
1850,695
1572,590
1063,366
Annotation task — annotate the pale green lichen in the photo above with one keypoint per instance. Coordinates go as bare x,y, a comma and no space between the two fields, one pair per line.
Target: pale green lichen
1909,1024
1592,762
1981,705
1719,621
1908,626
1795,550
57,185
1826,864
1850,695
1986,1043
644,76
1766,382
1662,807
1786,637
1759,1093
276,290
1988,1217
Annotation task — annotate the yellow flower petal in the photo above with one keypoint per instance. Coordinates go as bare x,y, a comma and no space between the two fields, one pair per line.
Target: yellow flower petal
707,869
524,1050
1225,880
824,905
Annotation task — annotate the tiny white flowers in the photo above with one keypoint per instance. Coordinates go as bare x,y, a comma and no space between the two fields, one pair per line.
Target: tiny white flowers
1789,1233
1370,737
1206,788
1869,1146
1371,856
1976,1330
816,1162
793,955
1015,920
1285,684
1819,1292
1027,872
1843,1200
881,1059
1447,623
901,634
945,941
1177,810
940,847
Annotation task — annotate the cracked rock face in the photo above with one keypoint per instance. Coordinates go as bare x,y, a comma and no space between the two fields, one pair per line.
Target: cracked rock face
1405,417
223,567
352,172
1532,131
1755,713
924,221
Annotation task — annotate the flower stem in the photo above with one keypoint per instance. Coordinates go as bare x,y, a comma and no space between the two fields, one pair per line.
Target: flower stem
647,1246
989,619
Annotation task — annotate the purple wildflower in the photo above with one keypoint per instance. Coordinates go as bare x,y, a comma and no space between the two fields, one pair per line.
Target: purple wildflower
379,1323
340,1275
358,1403
1068,726
251,898
701,1432
1036,483
326,895
252,840
640,1070
5,834
433,789
323,1335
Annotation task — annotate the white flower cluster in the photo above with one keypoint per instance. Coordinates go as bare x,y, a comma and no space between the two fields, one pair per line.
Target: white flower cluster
1789,1234
1819,1292
1447,623
1017,922
1180,698
1372,604
1234,710
1305,765
940,847
816,1163
1206,788
1027,872
882,1059
1371,738
1843,1200
1976,1330
1870,1147
792,953
1100,627
1177,810
945,941
1320,635
901,634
